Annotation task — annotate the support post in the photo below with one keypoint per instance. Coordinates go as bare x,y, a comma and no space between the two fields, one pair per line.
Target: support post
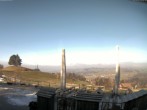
63,71
117,76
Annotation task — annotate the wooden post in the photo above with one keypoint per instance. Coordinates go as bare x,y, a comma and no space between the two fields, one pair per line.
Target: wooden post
63,71
117,76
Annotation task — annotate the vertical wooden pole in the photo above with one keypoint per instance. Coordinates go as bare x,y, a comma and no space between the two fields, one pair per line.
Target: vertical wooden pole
63,71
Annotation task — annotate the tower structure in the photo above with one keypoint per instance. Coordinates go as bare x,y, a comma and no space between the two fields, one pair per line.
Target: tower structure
63,71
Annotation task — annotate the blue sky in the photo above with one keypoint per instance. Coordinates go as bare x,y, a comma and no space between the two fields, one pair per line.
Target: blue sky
37,30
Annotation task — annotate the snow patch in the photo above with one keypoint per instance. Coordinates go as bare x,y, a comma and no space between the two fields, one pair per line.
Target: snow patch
1,79
4,88
20,101
21,97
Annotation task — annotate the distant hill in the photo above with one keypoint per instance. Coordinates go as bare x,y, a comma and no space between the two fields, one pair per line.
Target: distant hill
85,68
16,69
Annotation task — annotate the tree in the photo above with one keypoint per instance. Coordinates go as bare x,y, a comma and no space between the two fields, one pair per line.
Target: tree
15,60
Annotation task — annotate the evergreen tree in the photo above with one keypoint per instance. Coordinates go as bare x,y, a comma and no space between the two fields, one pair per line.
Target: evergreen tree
15,60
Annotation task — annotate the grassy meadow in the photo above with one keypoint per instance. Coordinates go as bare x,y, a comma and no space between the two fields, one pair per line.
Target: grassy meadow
28,76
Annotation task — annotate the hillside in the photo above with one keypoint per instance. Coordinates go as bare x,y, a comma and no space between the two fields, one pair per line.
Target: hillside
90,72
16,69
25,75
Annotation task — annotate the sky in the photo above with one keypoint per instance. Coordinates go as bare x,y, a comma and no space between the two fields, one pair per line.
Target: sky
89,30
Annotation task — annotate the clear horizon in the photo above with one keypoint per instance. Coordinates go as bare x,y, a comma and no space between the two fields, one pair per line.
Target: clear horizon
88,30
83,57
